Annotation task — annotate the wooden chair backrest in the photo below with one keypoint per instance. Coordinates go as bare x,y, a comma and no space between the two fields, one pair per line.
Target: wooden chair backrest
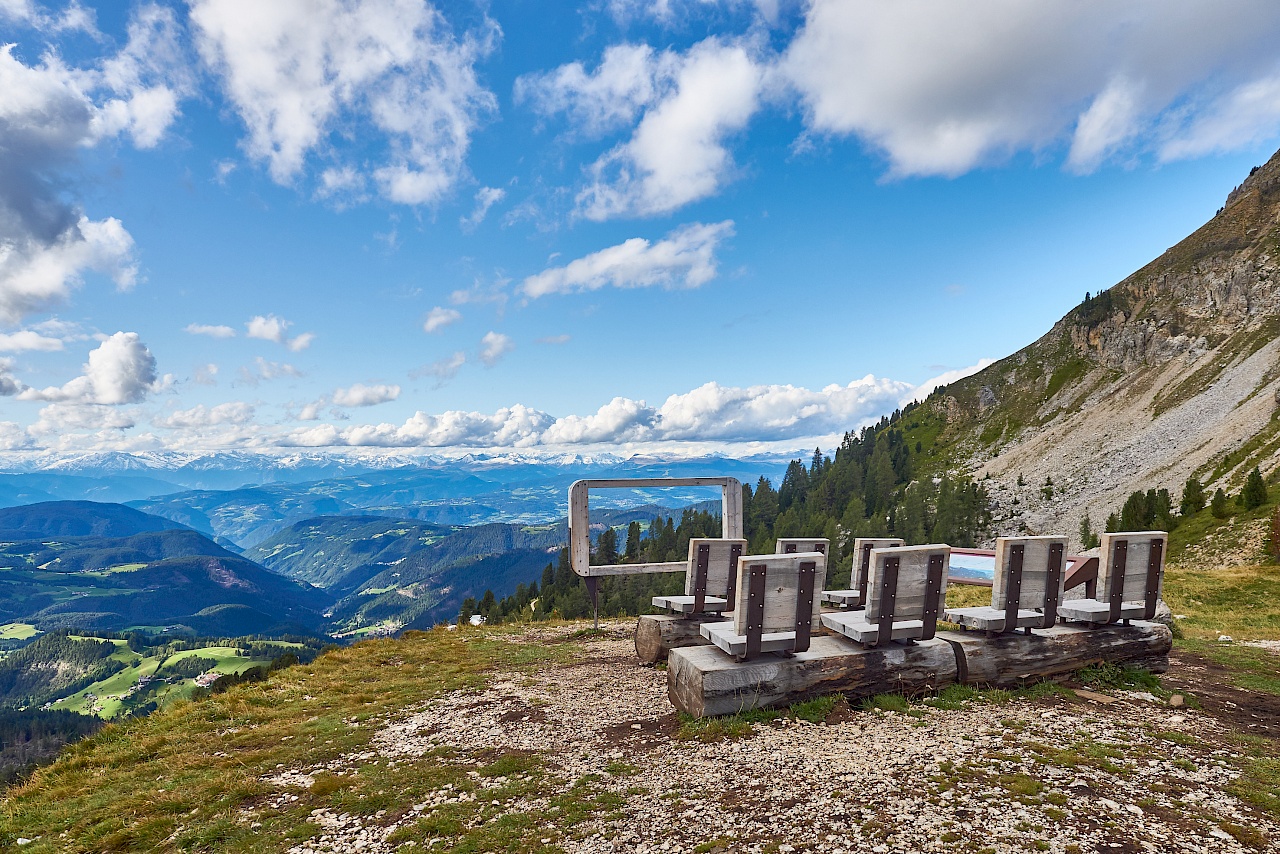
1029,574
907,583
795,545
861,571
779,593
1132,569
713,569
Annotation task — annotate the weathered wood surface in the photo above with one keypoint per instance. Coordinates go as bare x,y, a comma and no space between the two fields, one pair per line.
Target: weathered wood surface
1035,570
1094,611
792,545
702,680
988,619
1139,548
782,586
913,574
724,637
657,635
721,565
854,625
1013,659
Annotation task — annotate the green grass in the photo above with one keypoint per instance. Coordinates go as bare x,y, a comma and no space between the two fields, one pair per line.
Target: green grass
1106,675
186,777
1247,667
18,631
1240,601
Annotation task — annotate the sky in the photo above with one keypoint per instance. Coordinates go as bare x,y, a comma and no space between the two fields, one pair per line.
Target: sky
641,226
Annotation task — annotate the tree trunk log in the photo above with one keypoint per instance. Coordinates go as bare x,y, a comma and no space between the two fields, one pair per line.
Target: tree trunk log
656,635
1015,658
703,680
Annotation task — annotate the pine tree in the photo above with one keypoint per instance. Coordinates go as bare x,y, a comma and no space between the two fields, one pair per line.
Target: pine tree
633,542
606,548
1088,539
1193,497
1218,506
1255,490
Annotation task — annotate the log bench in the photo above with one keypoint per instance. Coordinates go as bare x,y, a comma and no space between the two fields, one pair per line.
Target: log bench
703,681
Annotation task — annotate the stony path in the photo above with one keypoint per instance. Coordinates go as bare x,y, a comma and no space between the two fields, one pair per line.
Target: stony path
1052,774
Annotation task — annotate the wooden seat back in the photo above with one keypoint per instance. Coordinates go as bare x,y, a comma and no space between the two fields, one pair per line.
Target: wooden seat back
907,583
1028,575
861,571
713,570
795,545
1132,570
779,593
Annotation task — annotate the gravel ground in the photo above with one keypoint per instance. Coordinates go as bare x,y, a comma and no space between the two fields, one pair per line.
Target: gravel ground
1124,773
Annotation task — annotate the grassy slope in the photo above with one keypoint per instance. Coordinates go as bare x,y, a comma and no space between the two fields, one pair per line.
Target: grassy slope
18,631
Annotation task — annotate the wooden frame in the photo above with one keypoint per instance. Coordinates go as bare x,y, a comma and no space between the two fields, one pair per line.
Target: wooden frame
580,520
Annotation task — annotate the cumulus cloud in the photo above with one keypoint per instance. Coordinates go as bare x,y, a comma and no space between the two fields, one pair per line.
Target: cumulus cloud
493,346
50,113
678,152
121,370
200,416
300,71
628,78
438,318
927,387
14,437
9,384
685,258
486,197
263,370
272,328
211,331
28,339
365,395
943,88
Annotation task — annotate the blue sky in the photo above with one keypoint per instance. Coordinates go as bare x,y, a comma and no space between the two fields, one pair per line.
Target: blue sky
672,225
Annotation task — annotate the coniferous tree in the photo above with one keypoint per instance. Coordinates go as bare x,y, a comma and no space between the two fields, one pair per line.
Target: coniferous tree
1218,505
1193,497
633,542
1088,539
1255,490
606,548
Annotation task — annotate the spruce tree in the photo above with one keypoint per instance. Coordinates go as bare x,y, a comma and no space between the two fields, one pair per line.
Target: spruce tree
633,541
607,548
1193,497
1255,490
1218,506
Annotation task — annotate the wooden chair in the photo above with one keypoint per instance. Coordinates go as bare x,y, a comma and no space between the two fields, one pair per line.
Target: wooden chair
1026,590
777,605
1130,579
796,545
907,585
710,579
857,596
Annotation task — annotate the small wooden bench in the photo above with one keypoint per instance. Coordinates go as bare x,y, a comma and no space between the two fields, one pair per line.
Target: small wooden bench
777,605
856,597
907,586
1027,587
1130,580
710,578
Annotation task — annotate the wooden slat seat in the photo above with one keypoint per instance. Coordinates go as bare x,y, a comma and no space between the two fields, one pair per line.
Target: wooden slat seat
710,578
1026,589
907,584
777,605
1130,580
856,595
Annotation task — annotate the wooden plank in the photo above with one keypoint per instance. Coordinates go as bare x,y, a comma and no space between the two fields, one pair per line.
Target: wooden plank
688,604
719,565
702,680
658,634
641,482
783,585
579,528
1013,659
731,511
1135,575
634,568
913,571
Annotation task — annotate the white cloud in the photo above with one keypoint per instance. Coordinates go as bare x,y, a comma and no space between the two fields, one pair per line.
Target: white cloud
628,78
438,318
50,113
943,88
555,339
206,374
443,370
272,328
9,384
493,346
13,437
263,370
515,426
684,258
28,339
121,370
300,72
212,331
678,153
486,197
365,395
200,416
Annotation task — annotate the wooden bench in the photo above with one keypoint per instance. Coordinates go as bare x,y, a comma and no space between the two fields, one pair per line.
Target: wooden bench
856,597
906,588
796,545
1130,580
777,604
1026,590
710,579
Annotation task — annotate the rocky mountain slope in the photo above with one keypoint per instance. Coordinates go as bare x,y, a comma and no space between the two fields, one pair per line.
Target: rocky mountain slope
1173,372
